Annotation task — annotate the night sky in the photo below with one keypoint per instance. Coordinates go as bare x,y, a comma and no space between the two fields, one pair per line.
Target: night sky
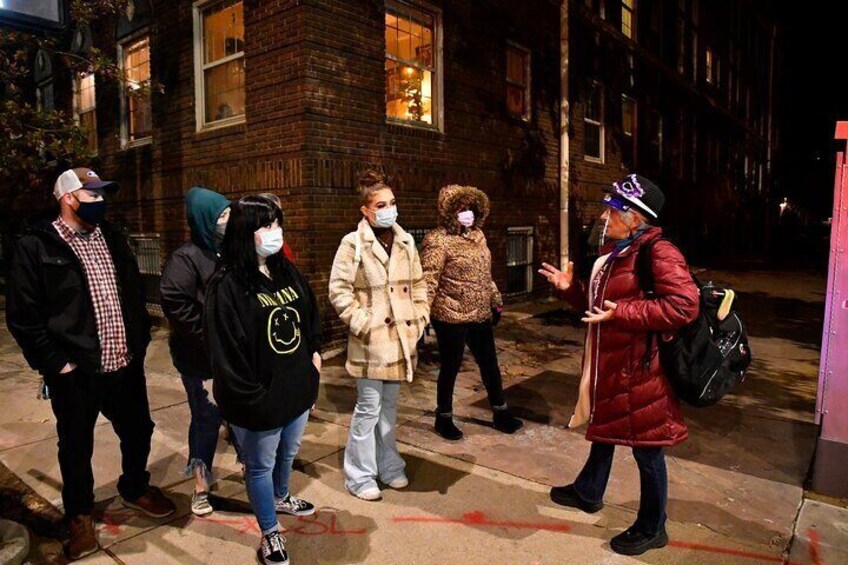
817,76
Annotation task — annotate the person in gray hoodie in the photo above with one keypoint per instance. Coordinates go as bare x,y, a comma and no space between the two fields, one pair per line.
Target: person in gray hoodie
183,287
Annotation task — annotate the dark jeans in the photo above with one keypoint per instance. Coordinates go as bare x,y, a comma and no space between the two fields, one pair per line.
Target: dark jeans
481,341
592,481
203,429
77,398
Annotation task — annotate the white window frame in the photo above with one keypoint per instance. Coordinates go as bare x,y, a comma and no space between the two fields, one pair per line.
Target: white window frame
126,143
529,232
76,101
600,125
437,108
527,114
200,67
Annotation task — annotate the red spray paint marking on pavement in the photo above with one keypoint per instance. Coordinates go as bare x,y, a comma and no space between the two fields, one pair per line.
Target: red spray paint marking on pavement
733,552
477,518
813,536
242,524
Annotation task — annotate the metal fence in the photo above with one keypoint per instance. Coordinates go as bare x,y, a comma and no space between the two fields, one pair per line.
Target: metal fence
519,260
146,247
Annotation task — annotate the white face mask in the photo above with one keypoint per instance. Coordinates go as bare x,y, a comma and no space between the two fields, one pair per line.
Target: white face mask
466,218
385,217
272,242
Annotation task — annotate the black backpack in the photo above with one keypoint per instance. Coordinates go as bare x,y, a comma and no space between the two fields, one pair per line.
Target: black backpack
707,358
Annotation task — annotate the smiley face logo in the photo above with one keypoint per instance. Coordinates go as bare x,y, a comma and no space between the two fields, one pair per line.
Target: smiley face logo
284,330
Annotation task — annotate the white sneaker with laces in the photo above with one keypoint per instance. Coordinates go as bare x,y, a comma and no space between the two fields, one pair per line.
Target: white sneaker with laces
370,493
293,506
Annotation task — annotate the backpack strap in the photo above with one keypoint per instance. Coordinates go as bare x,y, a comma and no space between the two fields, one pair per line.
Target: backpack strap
645,274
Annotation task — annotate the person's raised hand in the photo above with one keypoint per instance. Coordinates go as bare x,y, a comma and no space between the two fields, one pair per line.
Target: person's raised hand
560,279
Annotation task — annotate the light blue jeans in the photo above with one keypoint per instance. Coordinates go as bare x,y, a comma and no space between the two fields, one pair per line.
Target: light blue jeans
268,458
371,450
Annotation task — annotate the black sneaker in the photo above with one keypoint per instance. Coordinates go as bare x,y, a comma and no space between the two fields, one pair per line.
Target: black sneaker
272,551
446,428
568,496
633,542
505,422
293,506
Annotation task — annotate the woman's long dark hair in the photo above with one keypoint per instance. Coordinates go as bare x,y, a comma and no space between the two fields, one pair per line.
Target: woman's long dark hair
238,251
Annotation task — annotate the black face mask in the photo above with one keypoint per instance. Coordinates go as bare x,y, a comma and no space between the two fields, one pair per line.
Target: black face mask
91,213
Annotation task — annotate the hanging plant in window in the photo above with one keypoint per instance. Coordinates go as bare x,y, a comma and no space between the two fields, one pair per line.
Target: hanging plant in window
410,87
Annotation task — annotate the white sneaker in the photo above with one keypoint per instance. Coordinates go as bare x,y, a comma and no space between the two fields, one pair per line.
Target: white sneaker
370,493
399,483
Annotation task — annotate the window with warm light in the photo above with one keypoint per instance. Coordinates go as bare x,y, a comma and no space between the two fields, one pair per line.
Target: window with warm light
412,65
85,109
708,66
518,82
628,9
136,115
219,63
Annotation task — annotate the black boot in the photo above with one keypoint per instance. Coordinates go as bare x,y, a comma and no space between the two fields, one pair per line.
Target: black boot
634,542
505,422
446,428
568,496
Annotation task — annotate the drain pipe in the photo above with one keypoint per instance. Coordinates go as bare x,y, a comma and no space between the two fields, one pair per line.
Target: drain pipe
563,136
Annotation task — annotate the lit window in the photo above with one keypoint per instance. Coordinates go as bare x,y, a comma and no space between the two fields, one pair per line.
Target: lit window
412,64
518,82
708,66
85,109
219,62
593,124
136,118
628,7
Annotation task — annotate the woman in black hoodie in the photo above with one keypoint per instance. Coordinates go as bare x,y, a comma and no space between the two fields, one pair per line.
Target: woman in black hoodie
263,332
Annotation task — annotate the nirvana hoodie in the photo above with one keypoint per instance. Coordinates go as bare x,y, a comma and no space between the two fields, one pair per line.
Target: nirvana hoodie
261,342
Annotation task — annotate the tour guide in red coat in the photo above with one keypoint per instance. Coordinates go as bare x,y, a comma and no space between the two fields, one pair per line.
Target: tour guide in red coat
624,394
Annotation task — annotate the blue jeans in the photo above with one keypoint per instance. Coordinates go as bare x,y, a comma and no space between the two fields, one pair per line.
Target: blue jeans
203,430
372,450
592,481
268,458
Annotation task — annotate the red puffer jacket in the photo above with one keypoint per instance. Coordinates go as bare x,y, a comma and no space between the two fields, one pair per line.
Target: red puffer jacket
632,403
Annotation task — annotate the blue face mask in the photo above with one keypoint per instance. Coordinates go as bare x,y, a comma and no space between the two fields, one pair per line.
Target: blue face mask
272,242
385,217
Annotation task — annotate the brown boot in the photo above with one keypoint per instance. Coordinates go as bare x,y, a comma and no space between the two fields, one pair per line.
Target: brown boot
83,539
153,503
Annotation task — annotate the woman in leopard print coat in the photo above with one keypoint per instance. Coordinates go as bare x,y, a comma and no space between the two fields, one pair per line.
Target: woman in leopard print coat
465,304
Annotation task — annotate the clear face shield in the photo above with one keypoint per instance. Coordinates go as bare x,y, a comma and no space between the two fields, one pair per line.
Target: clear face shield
599,233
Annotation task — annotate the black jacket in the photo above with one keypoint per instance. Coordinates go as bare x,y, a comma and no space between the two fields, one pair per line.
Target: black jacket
261,344
48,303
183,290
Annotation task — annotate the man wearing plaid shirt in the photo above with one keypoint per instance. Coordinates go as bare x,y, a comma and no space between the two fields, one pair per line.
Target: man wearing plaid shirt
76,307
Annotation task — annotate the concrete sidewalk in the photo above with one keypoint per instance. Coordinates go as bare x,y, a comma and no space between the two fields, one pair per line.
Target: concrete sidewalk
735,488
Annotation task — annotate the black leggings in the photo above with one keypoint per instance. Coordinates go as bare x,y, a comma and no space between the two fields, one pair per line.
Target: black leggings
481,341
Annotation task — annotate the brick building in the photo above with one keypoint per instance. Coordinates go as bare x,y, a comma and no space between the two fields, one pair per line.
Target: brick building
298,97
688,93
